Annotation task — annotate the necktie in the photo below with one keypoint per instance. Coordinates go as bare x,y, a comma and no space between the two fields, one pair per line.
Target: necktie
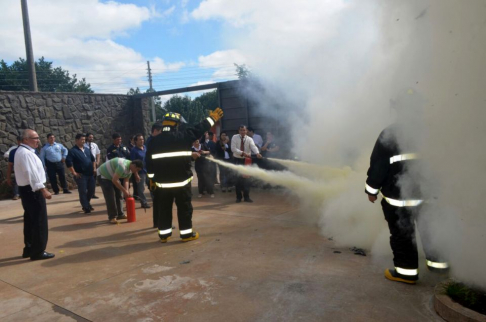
242,146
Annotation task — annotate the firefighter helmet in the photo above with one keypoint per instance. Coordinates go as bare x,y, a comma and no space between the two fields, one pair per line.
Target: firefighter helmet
173,119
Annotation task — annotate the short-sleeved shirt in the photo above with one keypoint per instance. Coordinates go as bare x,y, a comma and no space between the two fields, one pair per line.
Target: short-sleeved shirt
95,150
119,166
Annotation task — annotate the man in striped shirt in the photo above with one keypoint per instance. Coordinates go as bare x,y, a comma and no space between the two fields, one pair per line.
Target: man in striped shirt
109,175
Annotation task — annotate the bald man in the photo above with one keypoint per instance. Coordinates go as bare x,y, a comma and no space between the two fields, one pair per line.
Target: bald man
31,179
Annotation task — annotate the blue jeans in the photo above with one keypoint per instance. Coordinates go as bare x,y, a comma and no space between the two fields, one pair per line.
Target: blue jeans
86,188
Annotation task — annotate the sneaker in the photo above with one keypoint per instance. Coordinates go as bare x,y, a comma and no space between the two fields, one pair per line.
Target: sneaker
193,237
16,197
212,196
122,217
113,221
66,191
95,197
164,240
392,275
199,195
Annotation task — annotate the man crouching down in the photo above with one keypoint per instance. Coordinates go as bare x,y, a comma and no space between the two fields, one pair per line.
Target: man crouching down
168,161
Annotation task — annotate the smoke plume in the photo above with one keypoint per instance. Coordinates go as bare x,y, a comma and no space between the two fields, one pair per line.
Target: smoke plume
341,74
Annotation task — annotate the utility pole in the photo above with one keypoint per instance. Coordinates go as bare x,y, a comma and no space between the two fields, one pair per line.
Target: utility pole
152,105
28,47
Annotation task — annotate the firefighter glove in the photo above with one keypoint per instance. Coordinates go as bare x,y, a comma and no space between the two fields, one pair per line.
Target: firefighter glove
216,115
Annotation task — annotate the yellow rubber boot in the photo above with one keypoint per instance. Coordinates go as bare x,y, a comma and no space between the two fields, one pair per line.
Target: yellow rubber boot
193,237
164,240
392,275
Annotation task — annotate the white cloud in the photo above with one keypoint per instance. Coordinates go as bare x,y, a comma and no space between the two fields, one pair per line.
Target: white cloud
223,61
80,37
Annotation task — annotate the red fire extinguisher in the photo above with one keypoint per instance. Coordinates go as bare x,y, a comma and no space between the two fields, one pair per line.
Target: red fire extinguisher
131,216
247,163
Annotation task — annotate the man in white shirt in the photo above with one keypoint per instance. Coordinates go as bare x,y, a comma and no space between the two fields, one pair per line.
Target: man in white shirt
31,179
95,151
242,147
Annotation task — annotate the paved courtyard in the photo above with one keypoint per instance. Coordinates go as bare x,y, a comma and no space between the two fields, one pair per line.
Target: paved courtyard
253,262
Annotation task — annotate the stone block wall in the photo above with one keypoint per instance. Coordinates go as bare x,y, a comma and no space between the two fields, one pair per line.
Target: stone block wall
67,114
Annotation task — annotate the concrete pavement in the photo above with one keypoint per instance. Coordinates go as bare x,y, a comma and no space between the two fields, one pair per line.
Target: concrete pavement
253,262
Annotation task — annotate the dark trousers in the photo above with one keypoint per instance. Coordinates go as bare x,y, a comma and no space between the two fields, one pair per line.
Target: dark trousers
164,197
225,176
113,198
401,222
155,205
139,187
205,182
242,184
133,181
53,169
35,220
86,188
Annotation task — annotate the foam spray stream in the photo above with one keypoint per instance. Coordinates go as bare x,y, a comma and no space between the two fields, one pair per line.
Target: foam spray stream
333,189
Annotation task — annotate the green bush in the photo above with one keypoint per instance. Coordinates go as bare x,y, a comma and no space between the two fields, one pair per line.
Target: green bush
469,297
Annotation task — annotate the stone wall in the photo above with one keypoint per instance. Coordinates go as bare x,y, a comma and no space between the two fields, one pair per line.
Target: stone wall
67,114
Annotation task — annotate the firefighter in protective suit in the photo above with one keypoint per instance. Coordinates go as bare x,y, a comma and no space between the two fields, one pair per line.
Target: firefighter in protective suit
168,161
390,174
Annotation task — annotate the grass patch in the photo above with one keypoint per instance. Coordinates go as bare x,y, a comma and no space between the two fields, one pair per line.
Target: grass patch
467,296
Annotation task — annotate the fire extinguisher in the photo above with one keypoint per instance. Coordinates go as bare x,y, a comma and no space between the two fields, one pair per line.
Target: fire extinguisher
247,163
131,216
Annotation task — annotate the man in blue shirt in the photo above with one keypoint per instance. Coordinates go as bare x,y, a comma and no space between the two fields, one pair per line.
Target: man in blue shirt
138,153
53,156
82,165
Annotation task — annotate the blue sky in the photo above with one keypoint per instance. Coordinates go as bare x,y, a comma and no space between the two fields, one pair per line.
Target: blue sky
109,42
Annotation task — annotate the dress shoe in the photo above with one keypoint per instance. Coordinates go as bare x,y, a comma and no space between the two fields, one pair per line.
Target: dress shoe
26,253
44,255
86,211
91,208
146,206
121,217
248,200
56,193
238,200
66,191
95,197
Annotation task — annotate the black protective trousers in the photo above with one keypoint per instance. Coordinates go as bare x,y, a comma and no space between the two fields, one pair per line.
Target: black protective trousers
35,221
165,197
401,222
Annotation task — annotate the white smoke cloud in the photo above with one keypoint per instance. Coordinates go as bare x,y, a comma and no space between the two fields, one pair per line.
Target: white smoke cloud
340,64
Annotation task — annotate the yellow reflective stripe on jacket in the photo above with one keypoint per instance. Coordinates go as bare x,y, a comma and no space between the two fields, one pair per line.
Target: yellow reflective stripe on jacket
407,272
172,154
402,203
403,157
371,190
437,264
210,120
174,185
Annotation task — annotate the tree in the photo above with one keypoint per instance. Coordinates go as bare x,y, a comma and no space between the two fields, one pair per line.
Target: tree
49,79
192,111
208,100
243,72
